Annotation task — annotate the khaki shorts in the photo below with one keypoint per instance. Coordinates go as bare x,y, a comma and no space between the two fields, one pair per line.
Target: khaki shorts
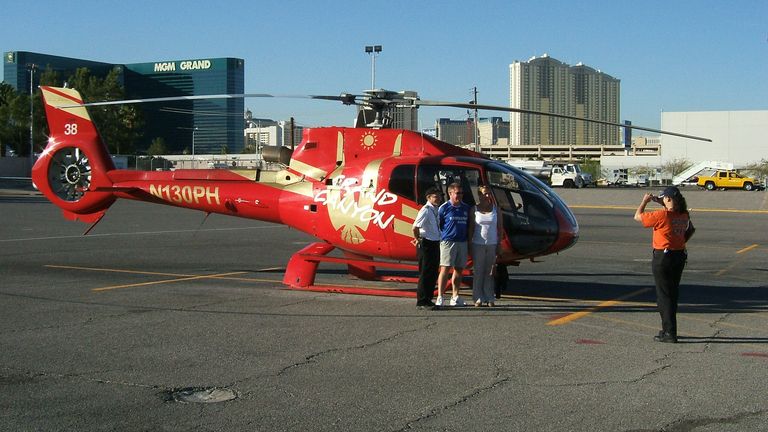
453,254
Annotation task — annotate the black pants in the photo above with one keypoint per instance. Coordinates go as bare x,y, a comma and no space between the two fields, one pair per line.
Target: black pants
501,279
429,266
667,269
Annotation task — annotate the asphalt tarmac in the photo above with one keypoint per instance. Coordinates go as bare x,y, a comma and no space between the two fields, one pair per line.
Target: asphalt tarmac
161,320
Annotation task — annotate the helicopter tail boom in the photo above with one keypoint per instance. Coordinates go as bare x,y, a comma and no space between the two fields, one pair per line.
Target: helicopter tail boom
72,169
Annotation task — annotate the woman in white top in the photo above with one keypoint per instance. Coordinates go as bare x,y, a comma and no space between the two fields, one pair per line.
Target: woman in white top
486,242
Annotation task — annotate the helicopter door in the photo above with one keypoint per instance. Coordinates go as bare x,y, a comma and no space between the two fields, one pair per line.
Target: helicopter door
440,176
529,217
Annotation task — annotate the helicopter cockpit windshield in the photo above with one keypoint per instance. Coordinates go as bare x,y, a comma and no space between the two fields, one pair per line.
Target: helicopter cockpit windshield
528,208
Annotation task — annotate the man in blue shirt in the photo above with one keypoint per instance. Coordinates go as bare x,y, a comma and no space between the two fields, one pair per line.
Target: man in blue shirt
456,225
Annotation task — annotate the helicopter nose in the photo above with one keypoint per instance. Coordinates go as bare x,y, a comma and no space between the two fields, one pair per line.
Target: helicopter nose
568,229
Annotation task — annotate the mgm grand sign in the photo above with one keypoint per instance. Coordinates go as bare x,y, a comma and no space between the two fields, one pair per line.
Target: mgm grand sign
186,65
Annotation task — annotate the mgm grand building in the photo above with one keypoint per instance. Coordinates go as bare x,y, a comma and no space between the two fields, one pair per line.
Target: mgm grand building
199,126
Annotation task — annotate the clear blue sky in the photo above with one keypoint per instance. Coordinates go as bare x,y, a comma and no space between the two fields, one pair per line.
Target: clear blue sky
669,55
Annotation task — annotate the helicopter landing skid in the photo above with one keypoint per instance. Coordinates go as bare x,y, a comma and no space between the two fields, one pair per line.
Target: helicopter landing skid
302,269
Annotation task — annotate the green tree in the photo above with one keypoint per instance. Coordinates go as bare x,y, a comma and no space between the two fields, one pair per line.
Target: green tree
224,149
14,120
6,92
676,166
251,147
643,170
758,169
591,166
158,147
119,125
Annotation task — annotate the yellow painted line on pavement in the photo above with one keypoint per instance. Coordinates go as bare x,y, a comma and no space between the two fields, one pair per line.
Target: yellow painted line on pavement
115,270
747,249
614,207
728,211
576,315
546,299
733,264
178,277
703,210
181,279
725,270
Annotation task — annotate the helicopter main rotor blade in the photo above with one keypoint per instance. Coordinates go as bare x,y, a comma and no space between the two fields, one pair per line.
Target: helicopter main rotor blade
377,101
563,116
344,98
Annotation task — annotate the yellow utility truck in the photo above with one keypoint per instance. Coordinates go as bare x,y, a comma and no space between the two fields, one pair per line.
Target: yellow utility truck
726,179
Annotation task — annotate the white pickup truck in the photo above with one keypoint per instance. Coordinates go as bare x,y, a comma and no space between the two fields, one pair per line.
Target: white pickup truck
558,174
567,176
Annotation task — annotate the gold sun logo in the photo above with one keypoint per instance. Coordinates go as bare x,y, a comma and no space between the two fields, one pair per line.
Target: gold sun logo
368,140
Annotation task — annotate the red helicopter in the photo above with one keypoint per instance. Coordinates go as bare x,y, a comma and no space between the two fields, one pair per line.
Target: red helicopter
354,189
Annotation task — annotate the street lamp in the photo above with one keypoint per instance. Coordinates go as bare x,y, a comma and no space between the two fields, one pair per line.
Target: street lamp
193,142
31,67
373,51
194,131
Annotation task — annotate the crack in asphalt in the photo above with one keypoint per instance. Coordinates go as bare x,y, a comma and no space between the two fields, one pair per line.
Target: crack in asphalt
708,345
462,400
500,381
620,381
312,358
21,376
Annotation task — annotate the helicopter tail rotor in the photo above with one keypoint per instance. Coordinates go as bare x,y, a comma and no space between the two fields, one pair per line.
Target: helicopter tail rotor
74,164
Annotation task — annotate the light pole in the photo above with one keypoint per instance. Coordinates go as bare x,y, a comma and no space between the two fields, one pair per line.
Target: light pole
477,135
194,130
193,141
373,51
31,67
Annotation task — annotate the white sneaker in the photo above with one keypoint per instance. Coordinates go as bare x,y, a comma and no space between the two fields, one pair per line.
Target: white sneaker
457,301
439,301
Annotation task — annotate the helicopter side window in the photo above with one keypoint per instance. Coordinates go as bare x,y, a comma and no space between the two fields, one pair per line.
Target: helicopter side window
401,181
427,178
507,200
504,202
441,176
518,199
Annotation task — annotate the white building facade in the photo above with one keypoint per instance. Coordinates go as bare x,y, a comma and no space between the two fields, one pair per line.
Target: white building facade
263,132
738,137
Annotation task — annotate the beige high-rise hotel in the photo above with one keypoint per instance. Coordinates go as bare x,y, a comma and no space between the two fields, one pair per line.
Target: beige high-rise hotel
549,85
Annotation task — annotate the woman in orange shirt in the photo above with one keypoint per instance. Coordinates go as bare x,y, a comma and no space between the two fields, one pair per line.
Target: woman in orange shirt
672,228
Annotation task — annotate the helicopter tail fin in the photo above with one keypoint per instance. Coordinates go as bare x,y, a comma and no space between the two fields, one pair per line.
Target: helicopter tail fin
75,162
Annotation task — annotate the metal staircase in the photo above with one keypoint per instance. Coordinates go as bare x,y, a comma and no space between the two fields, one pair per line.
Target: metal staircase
698,168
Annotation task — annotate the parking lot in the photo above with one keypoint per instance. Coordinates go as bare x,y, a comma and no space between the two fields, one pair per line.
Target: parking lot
111,330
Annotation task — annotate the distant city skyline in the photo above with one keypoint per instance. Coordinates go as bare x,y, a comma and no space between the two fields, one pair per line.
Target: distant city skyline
670,56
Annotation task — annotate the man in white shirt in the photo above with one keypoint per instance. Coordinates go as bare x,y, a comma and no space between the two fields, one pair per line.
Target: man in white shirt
427,240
